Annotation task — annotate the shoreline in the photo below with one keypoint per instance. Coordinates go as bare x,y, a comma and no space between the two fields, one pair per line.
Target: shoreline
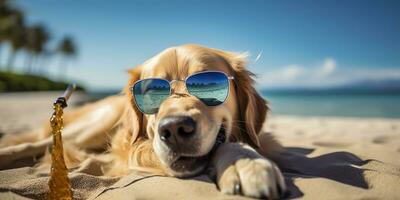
81,97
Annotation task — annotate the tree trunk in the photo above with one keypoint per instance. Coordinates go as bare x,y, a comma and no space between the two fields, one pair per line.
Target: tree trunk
45,65
34,60
27,61
41,65
10,61
30,62
0,55
63,69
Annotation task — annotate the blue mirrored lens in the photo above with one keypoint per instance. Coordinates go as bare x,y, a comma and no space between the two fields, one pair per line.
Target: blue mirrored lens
150,93
210,87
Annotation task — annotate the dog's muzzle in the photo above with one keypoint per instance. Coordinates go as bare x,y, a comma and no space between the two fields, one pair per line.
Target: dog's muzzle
194,165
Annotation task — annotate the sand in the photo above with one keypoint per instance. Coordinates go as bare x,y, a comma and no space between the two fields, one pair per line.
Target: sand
325,157
368,138
22,111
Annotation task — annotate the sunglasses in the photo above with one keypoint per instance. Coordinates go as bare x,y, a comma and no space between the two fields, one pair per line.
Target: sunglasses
211,87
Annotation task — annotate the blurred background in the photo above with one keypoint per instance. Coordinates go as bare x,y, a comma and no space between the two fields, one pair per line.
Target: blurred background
312,58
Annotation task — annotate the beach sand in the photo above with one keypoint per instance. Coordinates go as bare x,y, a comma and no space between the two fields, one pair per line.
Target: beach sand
368,138
22,111
325,157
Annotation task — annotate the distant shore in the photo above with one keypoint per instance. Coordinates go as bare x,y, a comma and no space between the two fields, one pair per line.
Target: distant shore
22,82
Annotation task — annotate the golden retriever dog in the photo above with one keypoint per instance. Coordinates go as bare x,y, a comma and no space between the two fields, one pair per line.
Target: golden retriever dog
184,137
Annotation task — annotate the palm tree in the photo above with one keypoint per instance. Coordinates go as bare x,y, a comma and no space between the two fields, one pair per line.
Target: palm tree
68,49
10,18
37,38
44,60
4,13
17,37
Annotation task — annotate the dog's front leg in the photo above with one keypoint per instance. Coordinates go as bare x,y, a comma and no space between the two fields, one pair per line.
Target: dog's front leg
241,170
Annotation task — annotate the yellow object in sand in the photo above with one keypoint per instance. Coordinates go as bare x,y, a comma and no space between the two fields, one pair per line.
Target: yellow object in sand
59,184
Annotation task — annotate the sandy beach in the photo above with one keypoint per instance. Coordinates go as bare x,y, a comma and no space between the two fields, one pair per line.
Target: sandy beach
368,138
22,111
333,157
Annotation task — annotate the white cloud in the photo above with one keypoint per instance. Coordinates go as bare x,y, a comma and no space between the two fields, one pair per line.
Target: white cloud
328,67
350,75
291,72
327,73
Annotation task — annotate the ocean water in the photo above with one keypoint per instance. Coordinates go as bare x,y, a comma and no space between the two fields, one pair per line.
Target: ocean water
342,105
326,103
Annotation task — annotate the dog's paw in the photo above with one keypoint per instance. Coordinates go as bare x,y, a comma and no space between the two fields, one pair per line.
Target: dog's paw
254,178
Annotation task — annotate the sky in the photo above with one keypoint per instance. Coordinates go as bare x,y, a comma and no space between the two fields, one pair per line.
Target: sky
290,43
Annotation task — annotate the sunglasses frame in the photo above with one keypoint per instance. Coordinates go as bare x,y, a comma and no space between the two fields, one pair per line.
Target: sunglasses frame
132,88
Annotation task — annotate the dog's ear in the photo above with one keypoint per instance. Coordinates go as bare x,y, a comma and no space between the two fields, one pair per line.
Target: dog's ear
252,107
133,116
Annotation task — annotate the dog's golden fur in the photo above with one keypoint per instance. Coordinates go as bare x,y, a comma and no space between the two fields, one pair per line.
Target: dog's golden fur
115,126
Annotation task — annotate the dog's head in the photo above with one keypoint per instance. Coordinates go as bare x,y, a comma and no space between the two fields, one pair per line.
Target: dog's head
184,130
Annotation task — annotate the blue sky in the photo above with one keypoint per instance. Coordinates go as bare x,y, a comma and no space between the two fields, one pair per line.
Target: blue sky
291,43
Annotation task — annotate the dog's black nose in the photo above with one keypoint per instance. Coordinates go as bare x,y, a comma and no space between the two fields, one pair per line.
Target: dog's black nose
175,129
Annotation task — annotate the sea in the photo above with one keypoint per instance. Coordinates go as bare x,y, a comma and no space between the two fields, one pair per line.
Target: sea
337,103
345,103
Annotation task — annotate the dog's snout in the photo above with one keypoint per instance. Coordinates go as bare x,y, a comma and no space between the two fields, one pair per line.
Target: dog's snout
176,129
